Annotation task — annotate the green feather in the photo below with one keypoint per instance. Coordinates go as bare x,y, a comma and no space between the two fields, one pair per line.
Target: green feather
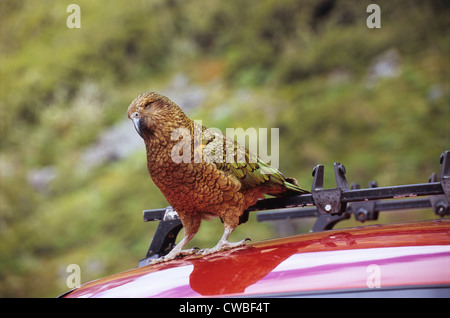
251,173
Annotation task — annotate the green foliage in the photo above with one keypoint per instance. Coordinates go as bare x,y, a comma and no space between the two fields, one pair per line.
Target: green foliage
304,67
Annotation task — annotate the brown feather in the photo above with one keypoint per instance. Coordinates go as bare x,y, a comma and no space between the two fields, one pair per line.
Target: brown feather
199,190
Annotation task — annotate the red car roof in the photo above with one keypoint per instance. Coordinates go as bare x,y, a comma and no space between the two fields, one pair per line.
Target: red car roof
364,258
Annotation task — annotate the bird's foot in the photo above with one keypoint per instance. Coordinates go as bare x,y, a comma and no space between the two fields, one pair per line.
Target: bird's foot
190,251
223,245
174,255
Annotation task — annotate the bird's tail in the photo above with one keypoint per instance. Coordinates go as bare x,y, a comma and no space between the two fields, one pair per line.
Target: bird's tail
293,188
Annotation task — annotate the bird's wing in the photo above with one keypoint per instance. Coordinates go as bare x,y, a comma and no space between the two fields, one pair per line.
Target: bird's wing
249,169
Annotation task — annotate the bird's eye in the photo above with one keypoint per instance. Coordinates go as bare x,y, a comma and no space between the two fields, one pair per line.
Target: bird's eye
135,115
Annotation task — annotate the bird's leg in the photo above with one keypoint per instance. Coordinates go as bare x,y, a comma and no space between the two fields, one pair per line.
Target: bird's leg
223,243
191,224
177,251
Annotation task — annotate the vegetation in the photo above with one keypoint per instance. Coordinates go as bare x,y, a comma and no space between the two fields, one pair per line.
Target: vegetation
376,100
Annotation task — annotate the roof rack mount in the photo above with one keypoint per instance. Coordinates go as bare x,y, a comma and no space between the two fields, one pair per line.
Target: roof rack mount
329,205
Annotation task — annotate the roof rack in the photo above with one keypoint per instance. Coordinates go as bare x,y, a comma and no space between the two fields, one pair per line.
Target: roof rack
330,206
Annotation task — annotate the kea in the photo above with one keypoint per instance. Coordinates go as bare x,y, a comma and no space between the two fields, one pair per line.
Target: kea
197,175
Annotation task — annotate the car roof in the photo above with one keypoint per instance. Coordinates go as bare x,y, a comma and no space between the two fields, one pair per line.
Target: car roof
362,258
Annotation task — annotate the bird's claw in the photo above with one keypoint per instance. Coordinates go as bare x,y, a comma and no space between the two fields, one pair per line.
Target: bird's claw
191,251
223,245
156,260
168,257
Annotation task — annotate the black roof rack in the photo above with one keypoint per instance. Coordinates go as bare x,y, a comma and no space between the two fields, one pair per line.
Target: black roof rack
329,205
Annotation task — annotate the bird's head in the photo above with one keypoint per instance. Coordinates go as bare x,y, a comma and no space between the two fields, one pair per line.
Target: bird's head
154,114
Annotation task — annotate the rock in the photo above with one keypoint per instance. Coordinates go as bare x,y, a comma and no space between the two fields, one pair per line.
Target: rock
385,65
184,93
117,142
41,178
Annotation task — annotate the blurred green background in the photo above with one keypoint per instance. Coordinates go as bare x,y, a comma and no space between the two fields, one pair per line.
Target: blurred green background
73,170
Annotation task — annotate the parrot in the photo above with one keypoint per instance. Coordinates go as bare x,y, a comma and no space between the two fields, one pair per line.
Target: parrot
195,174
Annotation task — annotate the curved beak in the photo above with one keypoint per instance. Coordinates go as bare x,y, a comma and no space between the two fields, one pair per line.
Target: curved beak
137,122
